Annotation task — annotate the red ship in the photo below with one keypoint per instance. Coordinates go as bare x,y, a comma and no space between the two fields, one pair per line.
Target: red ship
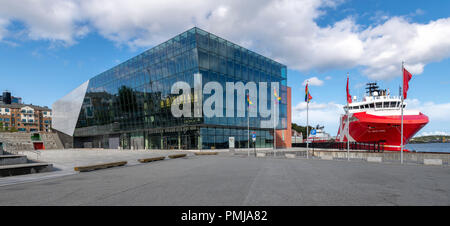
377,119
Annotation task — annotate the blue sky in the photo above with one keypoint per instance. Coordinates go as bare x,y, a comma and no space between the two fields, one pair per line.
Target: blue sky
49,47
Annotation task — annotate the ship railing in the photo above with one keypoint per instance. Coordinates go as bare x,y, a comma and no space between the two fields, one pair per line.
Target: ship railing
387,97
370,147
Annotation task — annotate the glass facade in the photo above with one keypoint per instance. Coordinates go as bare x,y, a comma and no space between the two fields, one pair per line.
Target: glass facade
129,106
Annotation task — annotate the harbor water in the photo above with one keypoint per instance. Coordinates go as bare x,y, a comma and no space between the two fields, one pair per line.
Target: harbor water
429,147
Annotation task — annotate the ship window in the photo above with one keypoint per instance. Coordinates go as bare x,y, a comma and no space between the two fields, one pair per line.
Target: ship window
372,106
379,105
393,104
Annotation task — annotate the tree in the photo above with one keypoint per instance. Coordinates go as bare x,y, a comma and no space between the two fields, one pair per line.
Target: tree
301,129
127,98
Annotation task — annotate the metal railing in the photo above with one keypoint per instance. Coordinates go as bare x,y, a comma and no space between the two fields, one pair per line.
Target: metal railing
371,147
360,152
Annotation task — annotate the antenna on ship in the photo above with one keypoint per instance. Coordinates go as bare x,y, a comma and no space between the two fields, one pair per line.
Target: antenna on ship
371,88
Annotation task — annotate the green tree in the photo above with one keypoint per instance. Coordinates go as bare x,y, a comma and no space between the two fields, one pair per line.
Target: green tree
301,129
127,98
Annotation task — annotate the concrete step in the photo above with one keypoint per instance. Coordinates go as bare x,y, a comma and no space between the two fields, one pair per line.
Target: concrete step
12,159
21,169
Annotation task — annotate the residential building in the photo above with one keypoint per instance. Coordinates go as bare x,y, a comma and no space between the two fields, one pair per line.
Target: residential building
25,118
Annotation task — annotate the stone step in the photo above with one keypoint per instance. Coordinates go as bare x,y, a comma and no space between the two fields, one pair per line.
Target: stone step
21,169
22,141
12,159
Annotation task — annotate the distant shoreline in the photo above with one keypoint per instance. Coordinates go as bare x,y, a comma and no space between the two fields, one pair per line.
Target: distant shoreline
436,142
430,139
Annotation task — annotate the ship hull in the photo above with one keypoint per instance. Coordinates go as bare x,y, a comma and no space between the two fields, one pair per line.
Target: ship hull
386,130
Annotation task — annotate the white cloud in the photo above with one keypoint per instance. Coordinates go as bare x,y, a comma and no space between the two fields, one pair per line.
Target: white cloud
314,81
326,114
435,133
3,30
52,20
268,26
437,113
328,78
396,40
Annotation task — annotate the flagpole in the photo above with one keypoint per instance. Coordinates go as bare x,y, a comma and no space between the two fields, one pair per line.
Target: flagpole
248,129
403,90
307,122
348,125
274,130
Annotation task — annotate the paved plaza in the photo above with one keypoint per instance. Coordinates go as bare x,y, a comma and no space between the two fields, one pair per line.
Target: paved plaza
239,180
67,159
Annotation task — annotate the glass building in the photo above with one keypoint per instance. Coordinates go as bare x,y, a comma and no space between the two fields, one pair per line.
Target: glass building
129,105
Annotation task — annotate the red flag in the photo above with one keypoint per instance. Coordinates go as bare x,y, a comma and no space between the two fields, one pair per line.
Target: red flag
406,77
349,97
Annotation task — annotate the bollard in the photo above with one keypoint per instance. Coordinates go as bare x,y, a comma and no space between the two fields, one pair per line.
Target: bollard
151,159
206,153
374,159
177,156
99,166
260,154
432,162
326,157
290,156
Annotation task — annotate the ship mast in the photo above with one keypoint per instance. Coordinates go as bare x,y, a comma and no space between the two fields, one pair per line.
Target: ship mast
401,106
348,126
307,122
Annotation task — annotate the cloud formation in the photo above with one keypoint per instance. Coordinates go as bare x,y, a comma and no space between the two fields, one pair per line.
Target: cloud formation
435,133
435,112
325,114
313,81
3,30
53,20
284,30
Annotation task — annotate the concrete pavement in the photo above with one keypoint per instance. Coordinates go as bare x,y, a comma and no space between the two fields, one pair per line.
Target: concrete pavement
67,159
234,180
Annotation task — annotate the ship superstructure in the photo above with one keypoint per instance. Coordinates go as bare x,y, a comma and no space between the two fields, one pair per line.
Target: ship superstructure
318,135
377,119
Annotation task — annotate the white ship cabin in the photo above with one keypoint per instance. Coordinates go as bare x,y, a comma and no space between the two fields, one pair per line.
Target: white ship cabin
375,100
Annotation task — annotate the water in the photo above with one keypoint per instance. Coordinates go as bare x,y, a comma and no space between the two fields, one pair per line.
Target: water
429,147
